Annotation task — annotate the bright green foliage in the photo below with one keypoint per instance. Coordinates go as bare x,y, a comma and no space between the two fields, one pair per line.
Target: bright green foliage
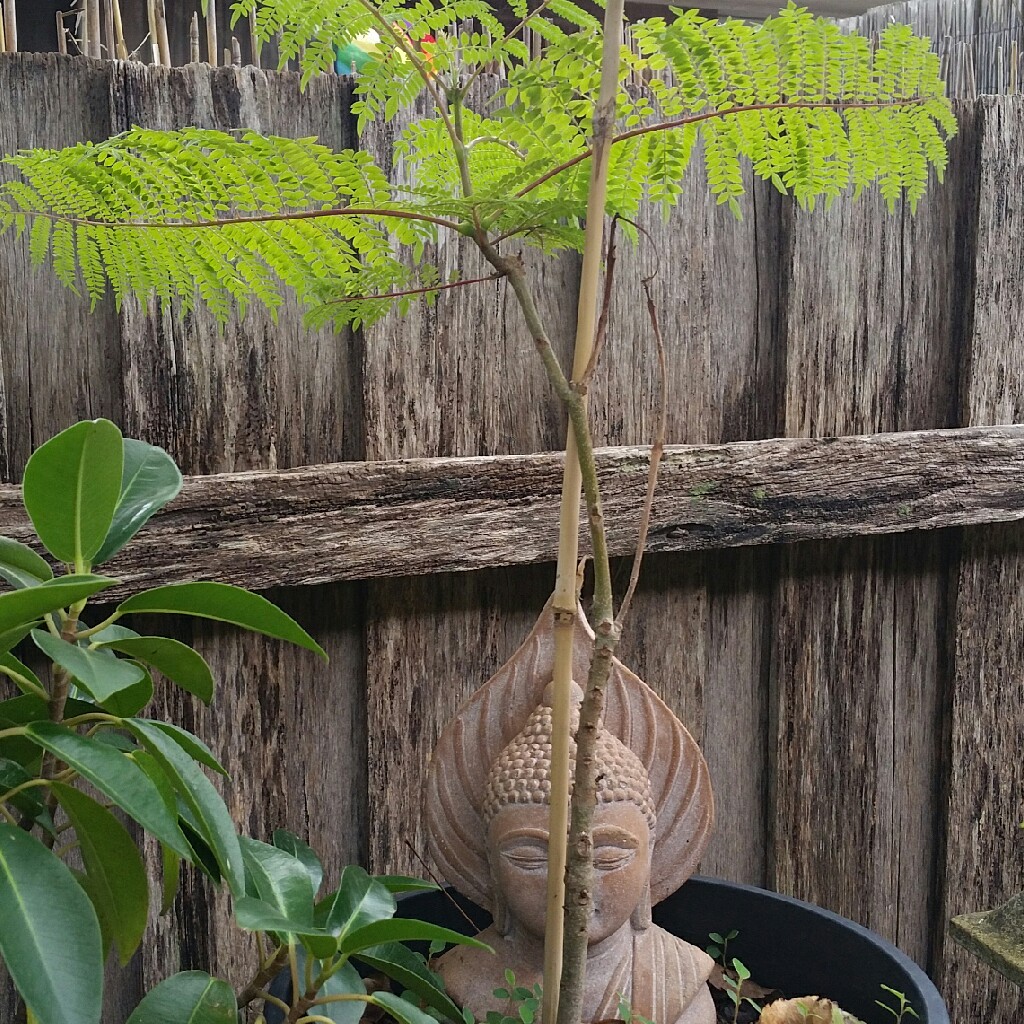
203,215
89,491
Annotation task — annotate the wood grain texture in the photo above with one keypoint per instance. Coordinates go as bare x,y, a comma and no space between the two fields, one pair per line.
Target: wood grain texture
983,863
420,516
462,379
58,362
859,672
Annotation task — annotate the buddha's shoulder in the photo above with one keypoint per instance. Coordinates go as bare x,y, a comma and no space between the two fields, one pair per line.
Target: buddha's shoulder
471,975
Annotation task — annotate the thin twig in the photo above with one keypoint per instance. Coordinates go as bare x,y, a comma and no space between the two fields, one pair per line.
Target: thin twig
413,291
657,449
267,218
433,877
682,122
606,301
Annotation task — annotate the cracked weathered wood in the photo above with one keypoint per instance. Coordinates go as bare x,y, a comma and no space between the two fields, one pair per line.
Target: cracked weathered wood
424,516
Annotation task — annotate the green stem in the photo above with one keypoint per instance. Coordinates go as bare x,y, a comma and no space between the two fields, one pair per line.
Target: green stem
24,683
30,784
268,971
84,634
459,144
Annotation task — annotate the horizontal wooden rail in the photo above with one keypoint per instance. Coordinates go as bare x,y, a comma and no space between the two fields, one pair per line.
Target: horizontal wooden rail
358,520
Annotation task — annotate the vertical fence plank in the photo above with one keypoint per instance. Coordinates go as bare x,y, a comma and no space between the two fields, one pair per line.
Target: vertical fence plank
58,362
256,394
984,863
860,666
693,633
462,378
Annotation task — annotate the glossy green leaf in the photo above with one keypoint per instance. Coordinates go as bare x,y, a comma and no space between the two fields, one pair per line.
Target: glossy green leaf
200,796
21,566
117,877
21,606
191,997
30,708
170,877
19,673
405,883
10,638
358,901
402,929
149,480
202,856
401,1009
132,699
292,844
192,745
224,603
99,672
278,879
179,662
71,488
256,915
49,935
343,983
117,776
28,801
399,962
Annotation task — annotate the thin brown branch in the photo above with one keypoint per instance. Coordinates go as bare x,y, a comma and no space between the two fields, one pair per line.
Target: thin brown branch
433,877
657,449
606,300
262,218
682,122
267,972
414,291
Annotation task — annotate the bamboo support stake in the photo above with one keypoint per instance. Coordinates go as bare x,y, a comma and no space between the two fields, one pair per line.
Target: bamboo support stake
119,44
565,599
109,36
161,28
3,33
211,33
154,44
236,52
62,35
84,43
95,33
10,27
254,41
193,39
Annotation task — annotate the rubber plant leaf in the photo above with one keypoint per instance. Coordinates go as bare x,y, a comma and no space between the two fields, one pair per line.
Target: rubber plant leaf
192,745
191,997
399,962
292,844
117,776
358,901
223,603
21,566
71,487
117,877
100,673
199,796
149,480
26,605
177,661
404,930
49,935
346,982
400,1009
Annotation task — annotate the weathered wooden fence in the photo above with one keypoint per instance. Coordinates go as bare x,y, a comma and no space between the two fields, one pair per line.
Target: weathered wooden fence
858,694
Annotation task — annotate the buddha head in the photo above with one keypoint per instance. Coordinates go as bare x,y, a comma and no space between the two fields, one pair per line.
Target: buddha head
515,814
488,791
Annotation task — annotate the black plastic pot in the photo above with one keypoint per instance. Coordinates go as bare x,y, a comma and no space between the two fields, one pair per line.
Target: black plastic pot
786,943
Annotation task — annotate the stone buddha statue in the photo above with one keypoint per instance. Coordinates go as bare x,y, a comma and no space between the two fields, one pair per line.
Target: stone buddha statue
487,817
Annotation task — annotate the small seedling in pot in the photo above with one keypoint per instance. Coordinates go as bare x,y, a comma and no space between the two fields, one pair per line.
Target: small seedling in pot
734,979
903,1011
523,1002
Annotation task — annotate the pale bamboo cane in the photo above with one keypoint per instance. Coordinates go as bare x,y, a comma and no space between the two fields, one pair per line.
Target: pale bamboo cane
257,46
162,39
119,44
92,13
236,52
154,38
3,33
62,36
193,39
10,27
108,29
212,51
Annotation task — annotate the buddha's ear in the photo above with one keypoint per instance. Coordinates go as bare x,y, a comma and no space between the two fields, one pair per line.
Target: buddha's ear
641,919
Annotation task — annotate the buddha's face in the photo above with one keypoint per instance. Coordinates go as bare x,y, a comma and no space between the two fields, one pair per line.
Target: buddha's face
518,850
